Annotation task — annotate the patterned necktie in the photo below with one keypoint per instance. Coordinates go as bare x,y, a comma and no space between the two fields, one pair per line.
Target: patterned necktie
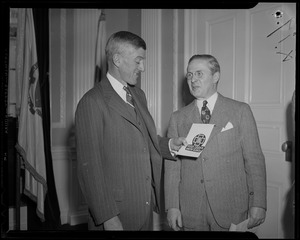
129,97
205,113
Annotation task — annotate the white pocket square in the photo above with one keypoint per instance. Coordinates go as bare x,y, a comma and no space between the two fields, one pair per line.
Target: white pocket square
227,127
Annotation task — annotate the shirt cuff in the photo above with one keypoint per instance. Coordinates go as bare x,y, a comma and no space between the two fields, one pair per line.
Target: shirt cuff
173,153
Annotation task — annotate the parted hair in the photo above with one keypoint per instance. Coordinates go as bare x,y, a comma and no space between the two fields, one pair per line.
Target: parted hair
213,63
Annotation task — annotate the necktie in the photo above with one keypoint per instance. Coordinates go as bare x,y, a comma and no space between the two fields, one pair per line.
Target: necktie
205,113
129,97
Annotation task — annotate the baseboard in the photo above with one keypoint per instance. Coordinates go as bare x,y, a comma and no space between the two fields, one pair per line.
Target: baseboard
12,218
78,218
64,217
82,217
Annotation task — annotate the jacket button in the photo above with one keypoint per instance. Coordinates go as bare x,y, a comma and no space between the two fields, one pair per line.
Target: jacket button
251,193
147,203
202,181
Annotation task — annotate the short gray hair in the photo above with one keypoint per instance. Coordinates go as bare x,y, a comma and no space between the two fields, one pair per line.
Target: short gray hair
118,39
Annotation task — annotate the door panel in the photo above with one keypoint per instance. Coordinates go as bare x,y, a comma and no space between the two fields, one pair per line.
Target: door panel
256,51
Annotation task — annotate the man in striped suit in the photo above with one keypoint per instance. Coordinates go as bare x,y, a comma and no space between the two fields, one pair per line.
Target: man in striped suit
118,151
227,182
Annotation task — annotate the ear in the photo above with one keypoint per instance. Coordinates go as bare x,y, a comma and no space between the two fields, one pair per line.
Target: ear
116,59
216,77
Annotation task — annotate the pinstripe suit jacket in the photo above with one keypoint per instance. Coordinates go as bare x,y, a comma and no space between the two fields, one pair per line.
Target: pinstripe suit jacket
117,161
232,165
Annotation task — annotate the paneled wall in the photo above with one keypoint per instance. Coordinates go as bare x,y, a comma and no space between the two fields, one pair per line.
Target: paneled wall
73,35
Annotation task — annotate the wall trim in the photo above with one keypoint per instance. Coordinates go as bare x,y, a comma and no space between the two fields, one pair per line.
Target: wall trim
62,98
78,217
151,78
208,44
23,218
61,153
72,211
190,34
85,32
175,60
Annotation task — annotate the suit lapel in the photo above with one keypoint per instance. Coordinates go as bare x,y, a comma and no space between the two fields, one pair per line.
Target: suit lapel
148,120
115,101
192,115
218,117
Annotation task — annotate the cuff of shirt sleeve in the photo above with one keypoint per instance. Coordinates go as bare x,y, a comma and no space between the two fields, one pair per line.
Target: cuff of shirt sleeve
173,153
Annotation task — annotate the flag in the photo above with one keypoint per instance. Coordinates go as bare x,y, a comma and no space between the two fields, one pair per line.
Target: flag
19,58
30,145
100,60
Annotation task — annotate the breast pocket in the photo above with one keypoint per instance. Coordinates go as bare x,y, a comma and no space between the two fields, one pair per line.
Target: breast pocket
228,141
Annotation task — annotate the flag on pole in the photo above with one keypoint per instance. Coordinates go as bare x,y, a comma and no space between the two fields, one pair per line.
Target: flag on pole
100,62
30,143
19,58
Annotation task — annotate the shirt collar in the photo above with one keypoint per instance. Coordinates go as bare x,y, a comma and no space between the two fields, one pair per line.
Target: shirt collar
117,86
211,101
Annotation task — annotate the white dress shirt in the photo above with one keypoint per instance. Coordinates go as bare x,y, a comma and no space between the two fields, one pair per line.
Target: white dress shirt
117,86
211,101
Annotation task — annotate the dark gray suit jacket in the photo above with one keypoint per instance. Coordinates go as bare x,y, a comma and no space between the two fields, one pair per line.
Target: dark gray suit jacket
117,163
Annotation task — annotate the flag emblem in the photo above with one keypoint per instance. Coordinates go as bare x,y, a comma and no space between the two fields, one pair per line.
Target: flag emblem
34,96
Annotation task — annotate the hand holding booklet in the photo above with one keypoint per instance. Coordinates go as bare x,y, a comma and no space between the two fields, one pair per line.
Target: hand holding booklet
197,137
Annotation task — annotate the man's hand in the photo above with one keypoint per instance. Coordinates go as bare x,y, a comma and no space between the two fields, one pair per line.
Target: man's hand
177,143
174,219
257,216
113,224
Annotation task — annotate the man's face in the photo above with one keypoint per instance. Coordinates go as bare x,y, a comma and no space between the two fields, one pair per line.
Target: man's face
131,63
202,83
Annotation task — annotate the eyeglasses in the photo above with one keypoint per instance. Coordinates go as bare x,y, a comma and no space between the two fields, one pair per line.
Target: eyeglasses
197,74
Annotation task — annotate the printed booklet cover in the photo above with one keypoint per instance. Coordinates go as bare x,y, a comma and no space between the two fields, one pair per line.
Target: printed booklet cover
197,137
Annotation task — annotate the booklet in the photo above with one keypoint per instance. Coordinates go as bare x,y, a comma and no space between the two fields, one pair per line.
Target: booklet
242,227
197,137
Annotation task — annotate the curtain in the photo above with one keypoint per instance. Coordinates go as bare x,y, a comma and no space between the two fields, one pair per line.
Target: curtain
41,21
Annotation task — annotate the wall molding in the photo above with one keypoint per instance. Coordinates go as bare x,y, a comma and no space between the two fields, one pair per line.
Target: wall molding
190,34
151,78
63,49
61,153
12,220
175,60
85,32
208,44
73,209
78,217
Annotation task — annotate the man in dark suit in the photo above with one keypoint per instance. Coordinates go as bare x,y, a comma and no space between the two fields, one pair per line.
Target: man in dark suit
119,153
227,182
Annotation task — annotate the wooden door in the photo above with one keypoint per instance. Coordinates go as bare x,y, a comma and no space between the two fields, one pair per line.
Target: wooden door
256,52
